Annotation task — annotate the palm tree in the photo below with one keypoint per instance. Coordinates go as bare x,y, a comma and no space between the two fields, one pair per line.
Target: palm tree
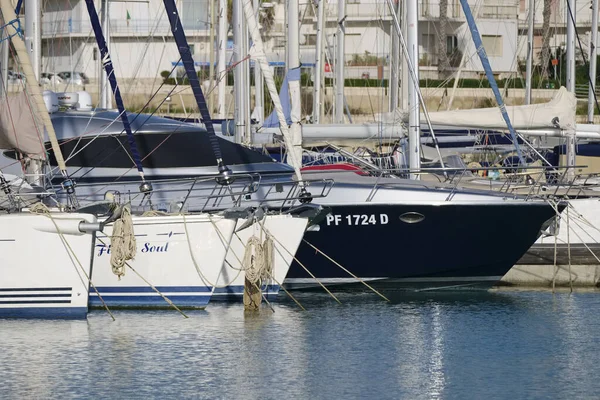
545,59
443,63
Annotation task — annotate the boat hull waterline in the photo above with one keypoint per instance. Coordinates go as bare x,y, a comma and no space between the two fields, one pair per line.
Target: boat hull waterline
181,256
419,245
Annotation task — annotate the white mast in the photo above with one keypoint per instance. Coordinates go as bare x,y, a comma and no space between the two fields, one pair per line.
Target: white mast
394,67
259,110
404,80
593,56
571,19
211,56
529,65
104,89
293,62
240,82
33,36
4,45
414,119
222,68
339,65
258,54
319,65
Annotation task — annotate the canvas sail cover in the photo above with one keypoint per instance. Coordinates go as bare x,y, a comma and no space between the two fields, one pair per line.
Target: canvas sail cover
557,113
19,129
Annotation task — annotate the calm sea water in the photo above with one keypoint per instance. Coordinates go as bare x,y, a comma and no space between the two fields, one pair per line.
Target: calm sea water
421,346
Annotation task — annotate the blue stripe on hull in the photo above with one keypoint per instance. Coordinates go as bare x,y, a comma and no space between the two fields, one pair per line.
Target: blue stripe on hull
44,312
235,293
133,301
148,289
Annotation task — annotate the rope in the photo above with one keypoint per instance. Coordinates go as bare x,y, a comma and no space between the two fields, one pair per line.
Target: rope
41,208
122,242
165,298
345,270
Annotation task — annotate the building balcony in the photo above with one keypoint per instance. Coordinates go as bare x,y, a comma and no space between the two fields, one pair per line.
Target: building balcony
118,27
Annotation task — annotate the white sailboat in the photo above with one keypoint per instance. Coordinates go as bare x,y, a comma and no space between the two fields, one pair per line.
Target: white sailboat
45,258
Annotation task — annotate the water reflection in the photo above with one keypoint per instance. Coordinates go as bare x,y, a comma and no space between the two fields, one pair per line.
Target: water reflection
429,346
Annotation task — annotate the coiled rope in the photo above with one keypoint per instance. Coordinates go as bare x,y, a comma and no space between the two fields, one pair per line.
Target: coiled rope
122,242
258,260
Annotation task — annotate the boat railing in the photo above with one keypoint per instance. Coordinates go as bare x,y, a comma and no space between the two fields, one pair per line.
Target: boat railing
208,193
512,181
23,191
529,181
288,193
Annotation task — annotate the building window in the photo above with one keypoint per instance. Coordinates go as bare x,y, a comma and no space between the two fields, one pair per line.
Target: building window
492,45
194,14
451,44
279,42
192,49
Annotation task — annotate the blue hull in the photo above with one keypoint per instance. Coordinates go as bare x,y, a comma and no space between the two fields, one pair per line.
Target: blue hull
451,244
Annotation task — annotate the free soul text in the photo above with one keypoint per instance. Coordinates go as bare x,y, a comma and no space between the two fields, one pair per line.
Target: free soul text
146,248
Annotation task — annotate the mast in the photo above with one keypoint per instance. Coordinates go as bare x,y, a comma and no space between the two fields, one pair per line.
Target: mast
339,65
259,110
211,55
593,58
188,63
222,68
570,147
319,65
240,82
38,105
485,62
394,67
110,73
414,117
529,65
462,60
4,47
258,54
104,89
404,79
293,73
33,36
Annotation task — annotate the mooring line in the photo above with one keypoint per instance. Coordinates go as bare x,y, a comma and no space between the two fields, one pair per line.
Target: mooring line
41,208
165,298
302,265
345,270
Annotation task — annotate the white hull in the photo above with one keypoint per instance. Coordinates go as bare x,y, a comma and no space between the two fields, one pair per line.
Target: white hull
165,260
288,232
583,224
40,276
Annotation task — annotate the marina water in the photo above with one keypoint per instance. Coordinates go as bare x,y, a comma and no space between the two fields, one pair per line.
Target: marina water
452,345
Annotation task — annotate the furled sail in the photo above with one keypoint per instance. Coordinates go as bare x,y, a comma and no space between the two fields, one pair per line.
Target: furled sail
37,105
557,113
19,129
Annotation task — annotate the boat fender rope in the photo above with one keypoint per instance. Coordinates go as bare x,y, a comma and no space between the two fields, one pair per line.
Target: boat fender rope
122,242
